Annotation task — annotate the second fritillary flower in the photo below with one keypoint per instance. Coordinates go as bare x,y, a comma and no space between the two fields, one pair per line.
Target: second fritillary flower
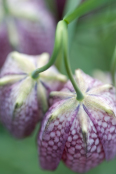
24,100
81,133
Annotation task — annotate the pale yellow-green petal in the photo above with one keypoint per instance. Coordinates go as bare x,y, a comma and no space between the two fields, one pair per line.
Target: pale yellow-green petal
23,61
61,94
80,80
24,90
98,103
100,89
10,79
42,96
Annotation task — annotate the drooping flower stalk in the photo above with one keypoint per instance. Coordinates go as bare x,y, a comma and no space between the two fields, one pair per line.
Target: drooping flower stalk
61,42
61,35
66,60
84,8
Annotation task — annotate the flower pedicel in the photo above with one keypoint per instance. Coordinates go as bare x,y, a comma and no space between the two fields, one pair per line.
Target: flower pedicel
82,133
23,100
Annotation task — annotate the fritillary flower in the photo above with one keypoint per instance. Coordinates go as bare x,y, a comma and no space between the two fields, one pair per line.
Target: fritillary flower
24,100
81,133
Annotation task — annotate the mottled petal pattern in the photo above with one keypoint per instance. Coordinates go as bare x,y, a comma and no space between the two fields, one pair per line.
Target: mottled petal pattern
106,126
22,122
78,156
24,100
91,135
54,132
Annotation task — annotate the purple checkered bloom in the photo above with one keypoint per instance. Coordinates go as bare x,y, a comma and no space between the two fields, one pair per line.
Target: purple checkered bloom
24,100
81,133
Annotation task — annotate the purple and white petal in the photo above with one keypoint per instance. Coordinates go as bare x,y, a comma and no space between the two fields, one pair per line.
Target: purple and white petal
54,133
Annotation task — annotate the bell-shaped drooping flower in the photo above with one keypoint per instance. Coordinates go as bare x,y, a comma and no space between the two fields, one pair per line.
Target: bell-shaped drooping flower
28,27
23,100
81,133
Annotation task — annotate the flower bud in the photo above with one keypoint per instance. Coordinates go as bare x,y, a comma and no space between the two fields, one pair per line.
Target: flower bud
23,100
81,133
28,28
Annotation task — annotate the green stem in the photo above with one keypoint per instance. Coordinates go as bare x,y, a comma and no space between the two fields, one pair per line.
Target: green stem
113,68
66,60
84,8
61,39
57,46
5,5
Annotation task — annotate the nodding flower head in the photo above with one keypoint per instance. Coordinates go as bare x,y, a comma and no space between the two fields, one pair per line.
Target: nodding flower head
81,133
23,100
29,30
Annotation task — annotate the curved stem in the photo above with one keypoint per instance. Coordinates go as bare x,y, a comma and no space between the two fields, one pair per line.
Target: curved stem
84,8
5,5
61,39
113,68
67,64
57,46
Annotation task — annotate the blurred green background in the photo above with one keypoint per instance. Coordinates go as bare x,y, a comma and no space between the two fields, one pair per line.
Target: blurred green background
92,39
